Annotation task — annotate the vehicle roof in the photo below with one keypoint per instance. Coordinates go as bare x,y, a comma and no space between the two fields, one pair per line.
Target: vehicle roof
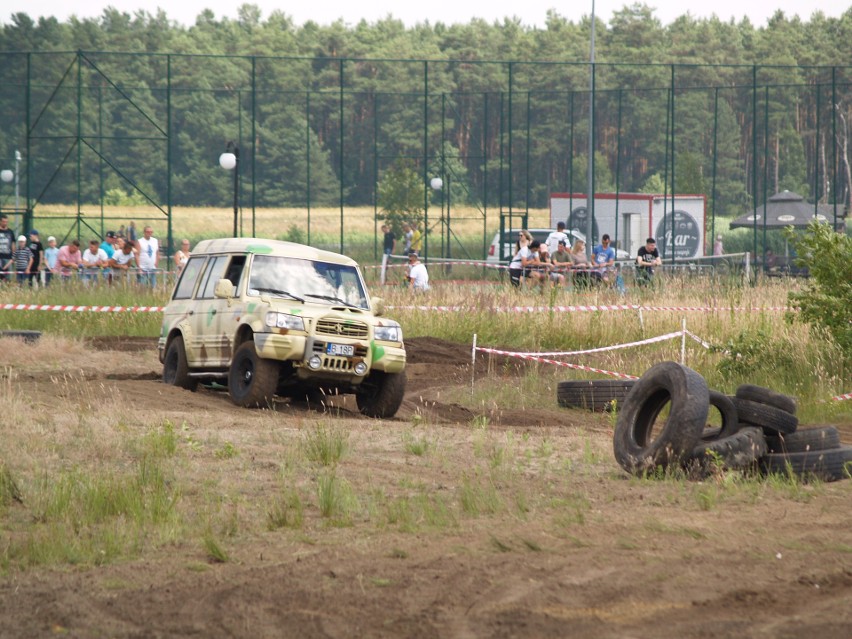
277,248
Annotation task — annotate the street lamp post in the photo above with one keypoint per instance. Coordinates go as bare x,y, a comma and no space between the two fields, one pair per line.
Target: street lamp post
230,161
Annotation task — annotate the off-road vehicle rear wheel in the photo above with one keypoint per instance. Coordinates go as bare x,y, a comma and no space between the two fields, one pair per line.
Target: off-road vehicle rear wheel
175,368
252,380
380,395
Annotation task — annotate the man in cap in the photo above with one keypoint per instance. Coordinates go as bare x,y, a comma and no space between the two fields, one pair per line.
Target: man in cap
108,247
418,277
37,250
7,247
23,259
646,259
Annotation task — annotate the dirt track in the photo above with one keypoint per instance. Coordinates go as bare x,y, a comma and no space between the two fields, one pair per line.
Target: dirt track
599,555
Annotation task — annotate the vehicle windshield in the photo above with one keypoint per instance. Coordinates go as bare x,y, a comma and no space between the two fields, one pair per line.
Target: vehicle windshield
298,278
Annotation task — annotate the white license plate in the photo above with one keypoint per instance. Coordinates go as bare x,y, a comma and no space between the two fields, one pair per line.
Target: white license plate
344,350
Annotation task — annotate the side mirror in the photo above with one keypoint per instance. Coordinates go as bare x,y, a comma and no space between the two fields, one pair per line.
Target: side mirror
378,305
224,289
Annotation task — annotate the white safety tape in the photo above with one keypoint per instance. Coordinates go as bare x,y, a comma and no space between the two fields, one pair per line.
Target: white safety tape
651,340
556,362
588,308
82,309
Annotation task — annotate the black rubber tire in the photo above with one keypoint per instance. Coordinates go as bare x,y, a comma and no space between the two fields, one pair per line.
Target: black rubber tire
596,395
728,410
175,367
739,451
634,448
381,394
28,336
767,396
805,439
252,380
827,465
771,419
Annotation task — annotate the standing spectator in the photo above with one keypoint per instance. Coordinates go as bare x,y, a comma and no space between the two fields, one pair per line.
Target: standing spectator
407,235
561,261
131,232
123,258
559,235
718,248
37,250
418,277
70,259
516,266
388,246
7,247
23,259
51,259
149,257
108,247
416,239
94,259
181,256
603,257
646,259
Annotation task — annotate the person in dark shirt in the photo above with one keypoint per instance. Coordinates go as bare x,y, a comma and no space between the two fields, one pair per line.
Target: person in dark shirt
37,250
7,247
388,246
646,259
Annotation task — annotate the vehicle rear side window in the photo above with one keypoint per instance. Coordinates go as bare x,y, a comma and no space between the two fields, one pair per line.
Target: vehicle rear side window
215,272
188,278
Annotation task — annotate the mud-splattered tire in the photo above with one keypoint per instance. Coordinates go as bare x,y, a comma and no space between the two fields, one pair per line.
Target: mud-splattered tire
771,419
736,452
596,395
252,380
175,367
381,394
635,446
767,396
805,440
827,465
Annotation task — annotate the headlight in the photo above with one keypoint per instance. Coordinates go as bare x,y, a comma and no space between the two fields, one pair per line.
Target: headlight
284,320
389,333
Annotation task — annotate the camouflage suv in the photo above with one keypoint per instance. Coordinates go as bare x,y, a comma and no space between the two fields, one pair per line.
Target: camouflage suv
278,318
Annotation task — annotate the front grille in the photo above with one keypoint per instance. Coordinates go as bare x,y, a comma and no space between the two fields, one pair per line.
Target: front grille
339,364
342,328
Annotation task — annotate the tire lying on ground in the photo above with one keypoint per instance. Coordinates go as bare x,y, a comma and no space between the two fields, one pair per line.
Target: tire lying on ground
767,396
728,411
27,336
827,465
637,447
804,440
773,420
593,394
735,452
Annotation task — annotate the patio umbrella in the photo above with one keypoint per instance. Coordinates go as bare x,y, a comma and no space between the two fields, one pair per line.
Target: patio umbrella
784,209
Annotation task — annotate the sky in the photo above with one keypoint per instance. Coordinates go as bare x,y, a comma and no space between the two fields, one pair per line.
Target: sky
530,12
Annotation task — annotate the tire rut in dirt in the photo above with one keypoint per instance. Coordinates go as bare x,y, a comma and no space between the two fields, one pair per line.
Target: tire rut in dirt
767,396
805,440
635,450
595,395
739,451
826,465
771,419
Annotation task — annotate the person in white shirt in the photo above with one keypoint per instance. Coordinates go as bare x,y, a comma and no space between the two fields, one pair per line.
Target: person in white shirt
418,278
94,259
559,235
122,259
149,257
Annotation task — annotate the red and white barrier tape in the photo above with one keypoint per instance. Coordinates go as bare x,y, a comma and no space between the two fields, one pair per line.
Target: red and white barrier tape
82,309
651,340
840,398
555,362
589,308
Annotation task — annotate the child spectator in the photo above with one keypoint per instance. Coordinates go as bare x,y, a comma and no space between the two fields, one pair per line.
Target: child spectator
51,255
37,250
23,259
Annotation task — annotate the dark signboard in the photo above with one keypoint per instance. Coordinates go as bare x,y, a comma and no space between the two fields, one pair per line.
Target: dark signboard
678,229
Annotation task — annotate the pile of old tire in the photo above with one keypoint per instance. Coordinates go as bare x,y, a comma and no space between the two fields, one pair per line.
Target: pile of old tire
759,430
593,394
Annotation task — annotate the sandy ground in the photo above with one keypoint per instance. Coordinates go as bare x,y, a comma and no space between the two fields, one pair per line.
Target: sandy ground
596,554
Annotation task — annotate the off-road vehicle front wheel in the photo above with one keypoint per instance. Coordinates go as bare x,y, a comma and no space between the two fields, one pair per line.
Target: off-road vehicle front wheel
252,380
380,395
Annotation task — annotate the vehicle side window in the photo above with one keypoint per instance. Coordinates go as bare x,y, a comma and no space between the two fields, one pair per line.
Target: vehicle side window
215,272
188,278
235,270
